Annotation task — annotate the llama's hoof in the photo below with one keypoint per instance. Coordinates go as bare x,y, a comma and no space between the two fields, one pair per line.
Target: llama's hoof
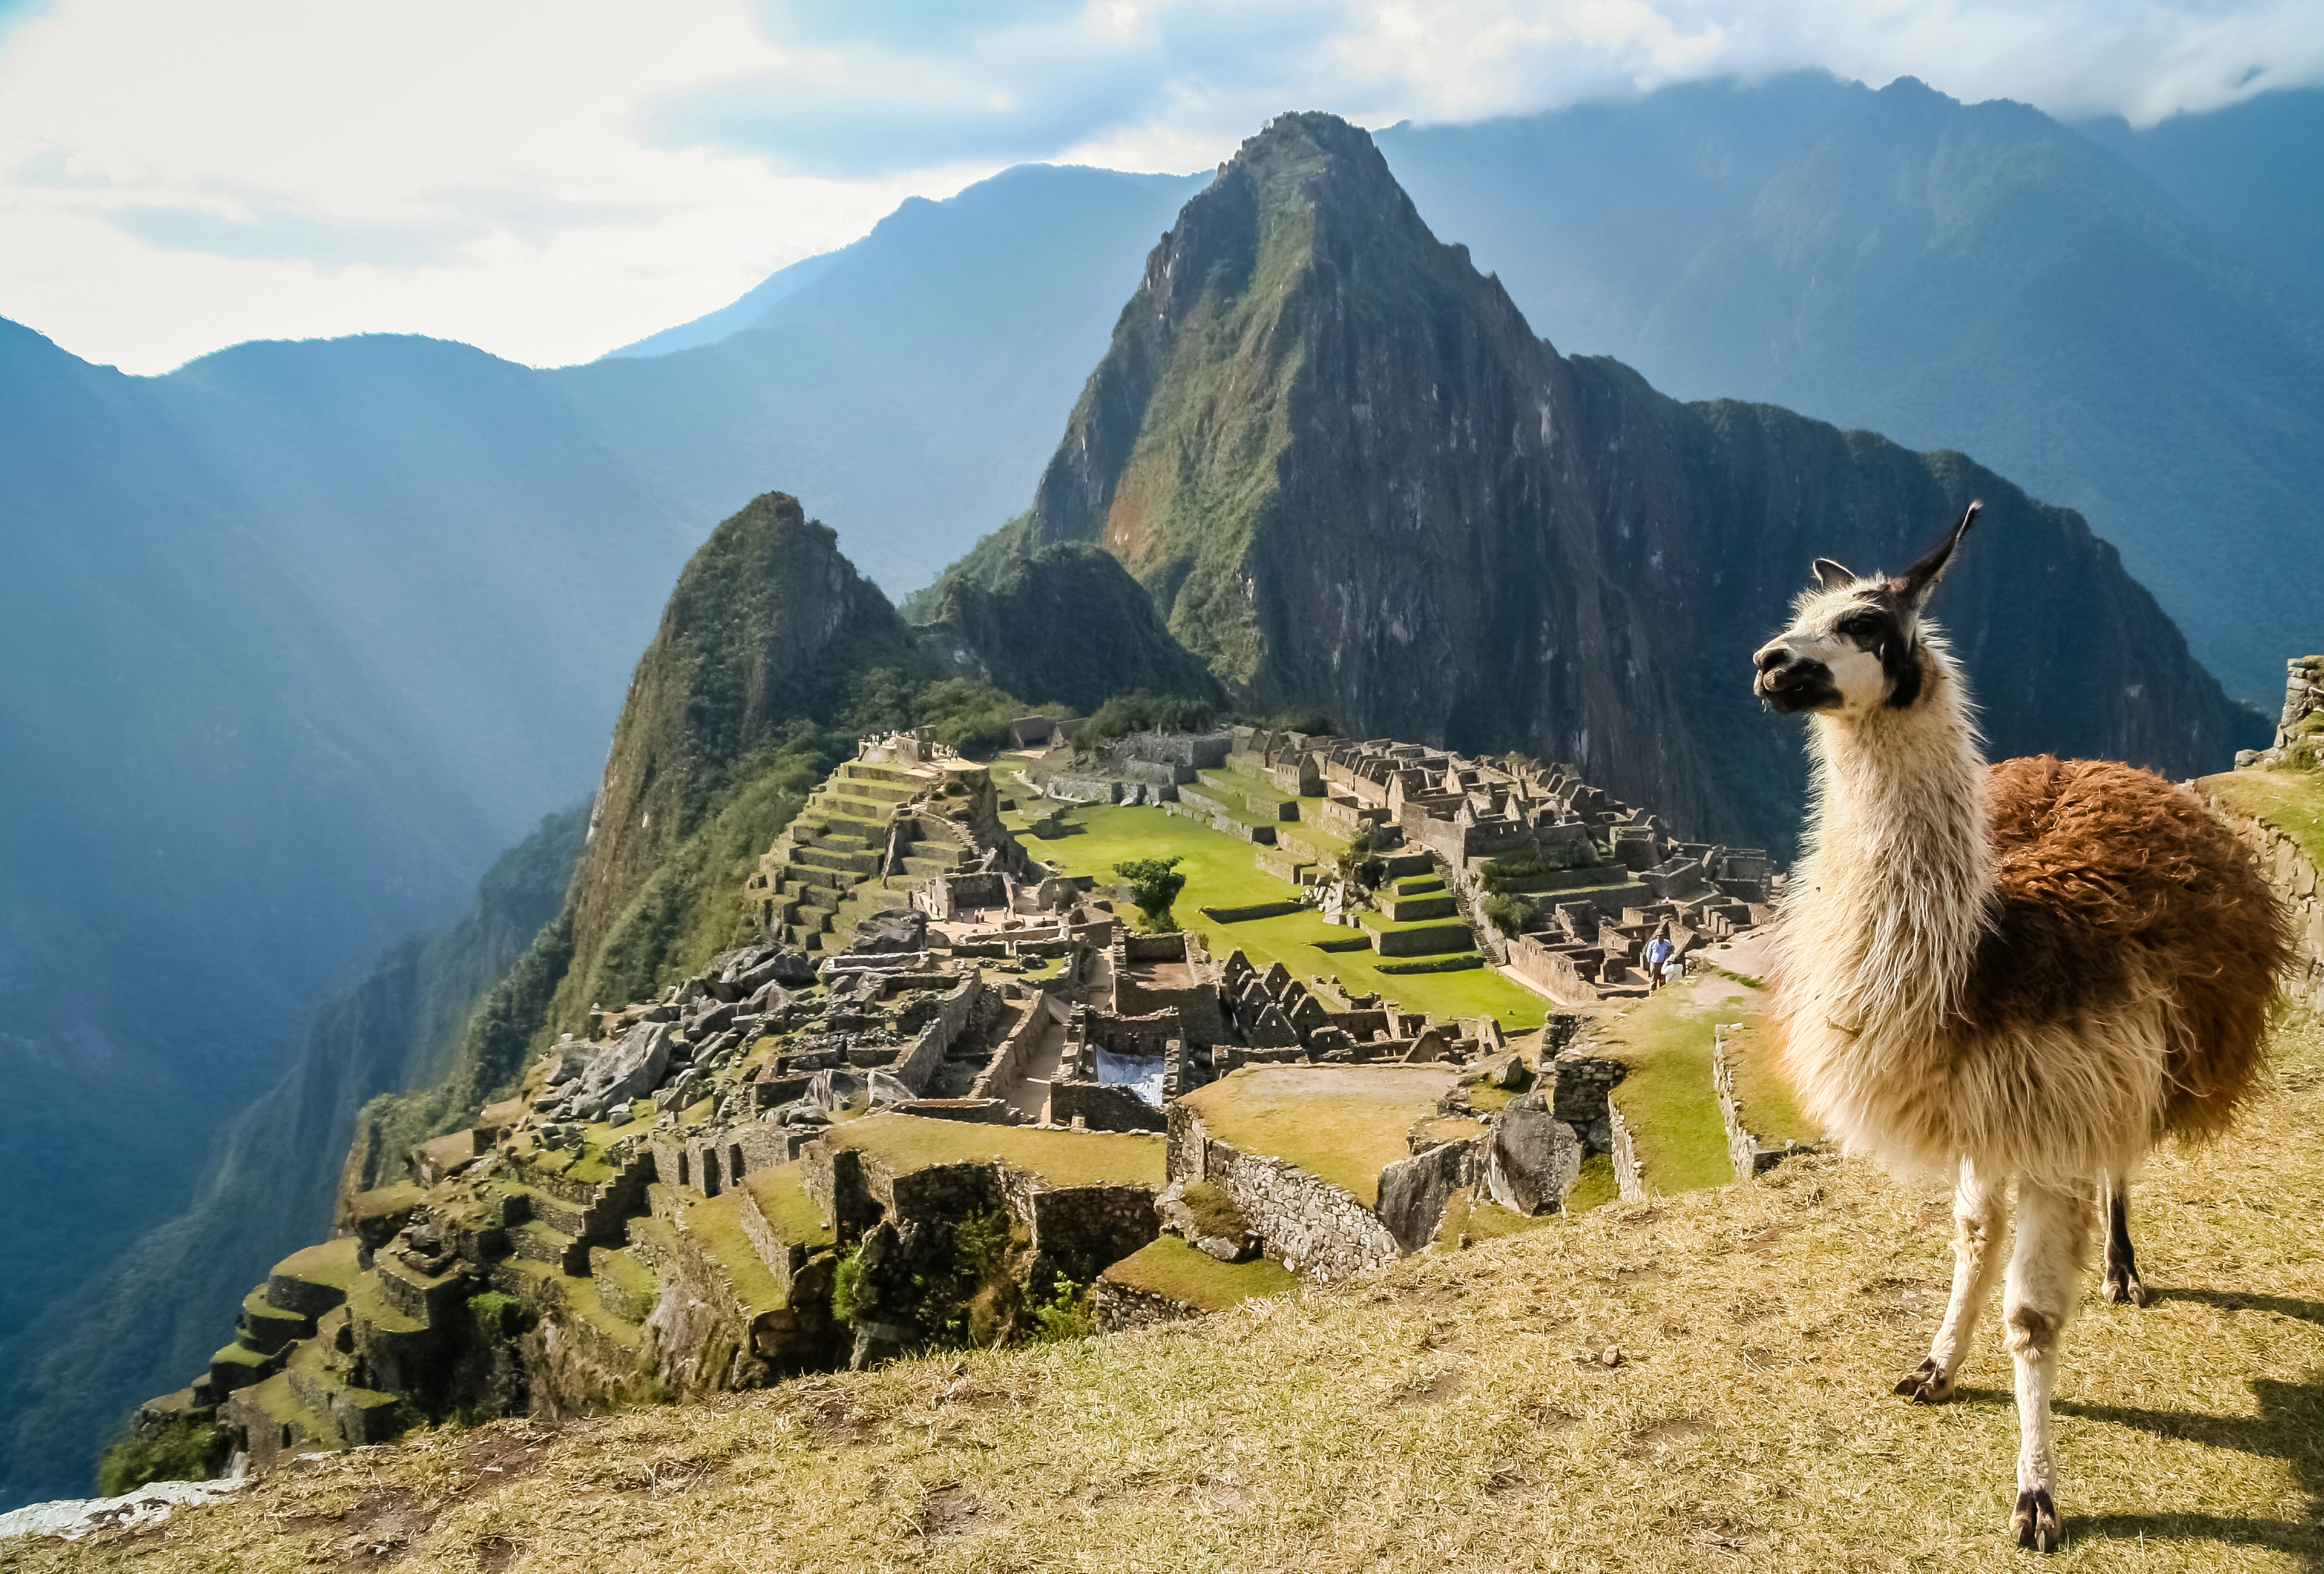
1925,1385
2036,1520
2124,1286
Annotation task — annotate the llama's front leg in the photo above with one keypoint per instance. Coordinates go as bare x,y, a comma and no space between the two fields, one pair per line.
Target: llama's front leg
1980,1215
2122,1281
2053,1239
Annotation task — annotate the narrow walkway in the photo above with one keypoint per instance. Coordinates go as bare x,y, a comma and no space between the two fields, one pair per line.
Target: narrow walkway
1030,1095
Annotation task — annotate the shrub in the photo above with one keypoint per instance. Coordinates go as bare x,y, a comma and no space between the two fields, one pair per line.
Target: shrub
1068,1313
847,1285
496,1315
1507,914
1144,711
183,1450
1360,866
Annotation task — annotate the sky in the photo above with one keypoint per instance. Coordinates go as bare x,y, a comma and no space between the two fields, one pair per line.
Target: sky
551,180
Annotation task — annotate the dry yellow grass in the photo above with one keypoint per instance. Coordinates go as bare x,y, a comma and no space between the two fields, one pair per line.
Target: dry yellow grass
1441,1417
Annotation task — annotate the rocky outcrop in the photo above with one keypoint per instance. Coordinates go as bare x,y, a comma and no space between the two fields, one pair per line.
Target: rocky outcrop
1061,624
1533,1157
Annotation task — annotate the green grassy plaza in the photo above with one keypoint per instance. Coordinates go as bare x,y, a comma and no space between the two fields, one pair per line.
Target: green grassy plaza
1222,872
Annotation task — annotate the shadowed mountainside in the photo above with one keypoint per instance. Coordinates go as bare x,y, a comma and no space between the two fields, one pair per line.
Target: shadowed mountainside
1353,478
2146,348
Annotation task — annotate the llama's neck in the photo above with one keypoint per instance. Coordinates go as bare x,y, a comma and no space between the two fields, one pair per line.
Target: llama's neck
1887,906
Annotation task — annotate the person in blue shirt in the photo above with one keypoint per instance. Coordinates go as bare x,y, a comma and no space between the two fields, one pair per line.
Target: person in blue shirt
1659,950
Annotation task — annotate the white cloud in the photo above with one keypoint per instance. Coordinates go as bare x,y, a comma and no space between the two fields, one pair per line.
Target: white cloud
551,179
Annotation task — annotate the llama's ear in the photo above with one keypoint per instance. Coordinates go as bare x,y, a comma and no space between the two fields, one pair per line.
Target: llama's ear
1831,575
1921,577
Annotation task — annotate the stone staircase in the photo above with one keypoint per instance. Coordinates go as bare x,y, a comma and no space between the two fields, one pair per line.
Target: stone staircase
849,853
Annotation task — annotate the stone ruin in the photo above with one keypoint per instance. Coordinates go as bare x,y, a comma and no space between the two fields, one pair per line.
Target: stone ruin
665,1205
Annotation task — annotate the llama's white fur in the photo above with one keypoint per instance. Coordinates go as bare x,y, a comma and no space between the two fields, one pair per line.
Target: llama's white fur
1881,923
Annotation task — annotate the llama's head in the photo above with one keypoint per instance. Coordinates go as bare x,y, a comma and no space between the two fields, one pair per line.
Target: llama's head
1855,645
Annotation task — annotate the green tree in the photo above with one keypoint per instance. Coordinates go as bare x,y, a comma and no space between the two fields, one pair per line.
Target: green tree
1154,886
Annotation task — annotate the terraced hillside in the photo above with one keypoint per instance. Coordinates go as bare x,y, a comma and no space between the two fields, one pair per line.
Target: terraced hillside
1458,1411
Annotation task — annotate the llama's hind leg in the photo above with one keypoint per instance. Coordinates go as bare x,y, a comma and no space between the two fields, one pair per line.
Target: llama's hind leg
2052,1240
1980,1217
2121,1282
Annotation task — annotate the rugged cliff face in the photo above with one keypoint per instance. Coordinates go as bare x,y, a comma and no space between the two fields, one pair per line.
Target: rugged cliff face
1353,478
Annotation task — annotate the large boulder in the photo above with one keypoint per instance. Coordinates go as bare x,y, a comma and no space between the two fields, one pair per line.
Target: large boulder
1533,1157
628,1069
1413,1193
891,931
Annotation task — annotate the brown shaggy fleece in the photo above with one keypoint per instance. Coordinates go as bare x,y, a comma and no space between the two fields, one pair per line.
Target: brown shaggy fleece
2107,872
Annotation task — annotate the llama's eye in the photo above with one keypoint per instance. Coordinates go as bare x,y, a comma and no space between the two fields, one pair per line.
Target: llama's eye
1863,627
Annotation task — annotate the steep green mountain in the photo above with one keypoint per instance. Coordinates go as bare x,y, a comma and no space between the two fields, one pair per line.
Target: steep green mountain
153,1314
1064,624
769,631
1341,462
1975,277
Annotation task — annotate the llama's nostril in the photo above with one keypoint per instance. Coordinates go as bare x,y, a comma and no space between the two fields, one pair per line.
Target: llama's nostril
1773,661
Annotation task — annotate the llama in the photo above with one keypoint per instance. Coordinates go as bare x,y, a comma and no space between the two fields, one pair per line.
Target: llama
2030,973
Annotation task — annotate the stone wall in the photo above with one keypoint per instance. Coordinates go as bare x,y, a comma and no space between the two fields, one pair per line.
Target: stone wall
1630,1179
917,1066
1101,1224
1305,1223
1007,1063
1100,1106
2295,881
1121,1307
1580,1083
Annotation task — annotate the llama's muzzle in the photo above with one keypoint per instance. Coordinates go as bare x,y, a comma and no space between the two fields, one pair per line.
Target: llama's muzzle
1791,684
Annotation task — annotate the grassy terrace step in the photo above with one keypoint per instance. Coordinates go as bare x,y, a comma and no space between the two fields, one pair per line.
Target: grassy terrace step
1481,1220
1221,872
1342,1123
627,1287
2293,802
237,1366
1668,1100
368,1304
1063,1158
1167,1267
268,1327
305,1428
315,1279
1419,885
1763,1099
716,1225
783,1202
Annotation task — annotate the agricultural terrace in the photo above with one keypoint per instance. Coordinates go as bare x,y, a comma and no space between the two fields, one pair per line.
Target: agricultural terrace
1222,872
1669,1100
1169,1266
